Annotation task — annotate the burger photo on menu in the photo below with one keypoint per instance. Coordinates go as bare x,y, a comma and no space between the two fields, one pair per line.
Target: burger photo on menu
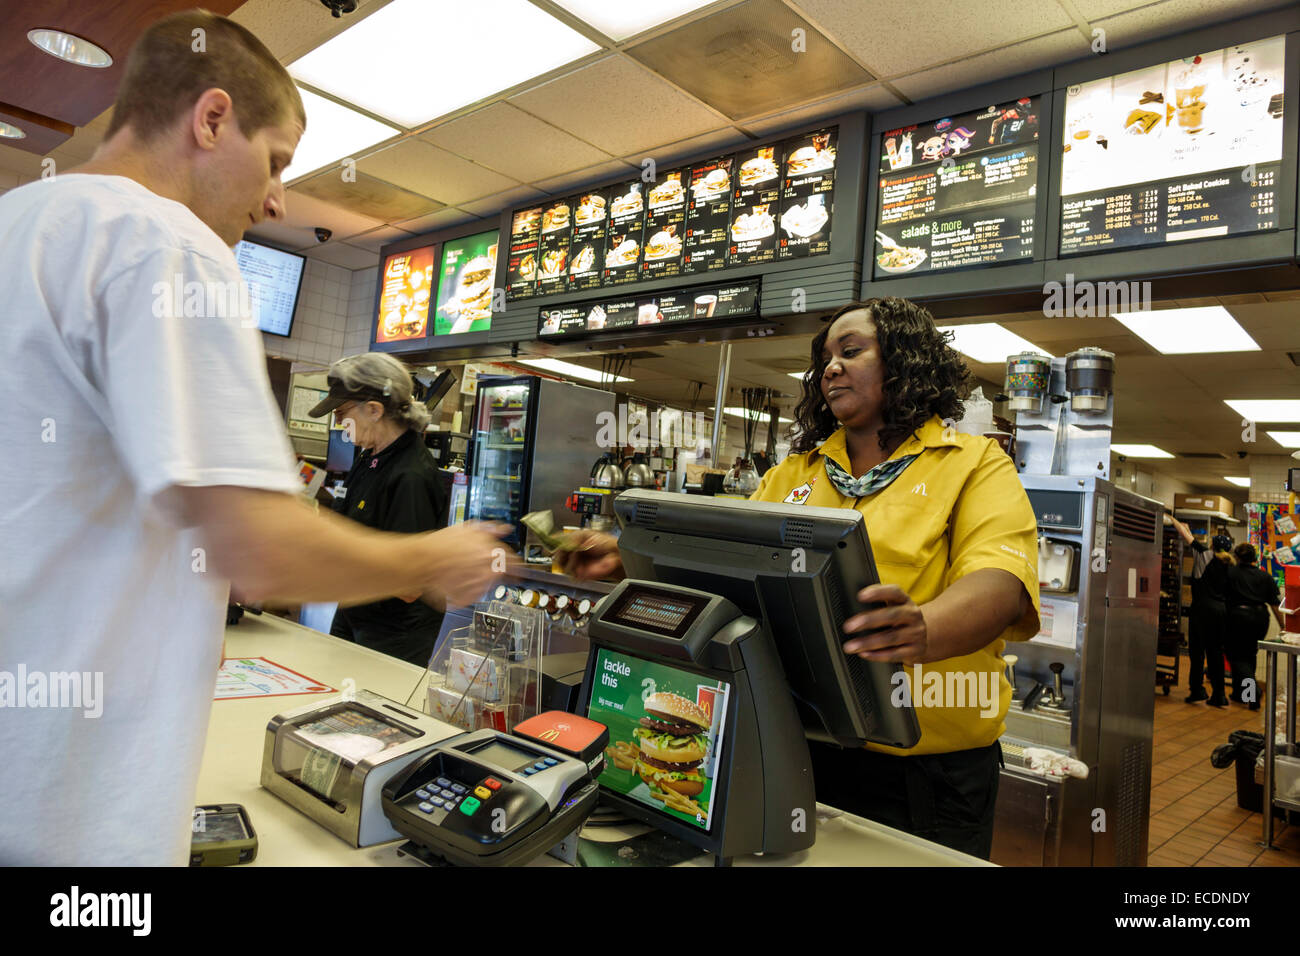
667,192
525,221
404,297
713,184
471,300
755,224
623,254
628,203
673,738
812,159
555,218
663,245
590,209
759,169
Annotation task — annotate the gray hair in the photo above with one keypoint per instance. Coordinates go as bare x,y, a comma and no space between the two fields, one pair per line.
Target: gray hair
383,373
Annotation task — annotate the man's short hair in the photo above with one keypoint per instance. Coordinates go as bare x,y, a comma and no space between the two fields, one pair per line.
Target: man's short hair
183,55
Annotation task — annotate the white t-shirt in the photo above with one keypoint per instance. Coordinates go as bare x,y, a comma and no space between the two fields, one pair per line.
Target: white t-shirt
109,396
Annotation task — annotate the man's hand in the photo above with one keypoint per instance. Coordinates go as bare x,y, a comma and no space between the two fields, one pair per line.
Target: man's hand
594,556
900,629
461,561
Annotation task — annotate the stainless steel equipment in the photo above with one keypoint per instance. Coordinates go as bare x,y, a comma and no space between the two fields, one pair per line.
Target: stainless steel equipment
638,474
1070,433
606,474
1083,686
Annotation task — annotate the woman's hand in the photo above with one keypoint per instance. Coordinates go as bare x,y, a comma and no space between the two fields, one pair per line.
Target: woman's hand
592,555
900,628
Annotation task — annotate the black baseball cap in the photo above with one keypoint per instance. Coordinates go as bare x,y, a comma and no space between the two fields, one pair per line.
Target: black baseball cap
340,393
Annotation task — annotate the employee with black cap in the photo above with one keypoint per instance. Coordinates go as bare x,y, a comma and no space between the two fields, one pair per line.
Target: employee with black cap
393,486
1209,616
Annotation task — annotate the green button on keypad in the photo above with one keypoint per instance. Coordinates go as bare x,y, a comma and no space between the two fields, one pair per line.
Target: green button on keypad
468,806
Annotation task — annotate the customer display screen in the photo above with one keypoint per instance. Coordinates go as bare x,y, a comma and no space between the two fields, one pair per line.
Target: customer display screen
670,614
666,730
273,279
765,204
958,191
1185,150
685,305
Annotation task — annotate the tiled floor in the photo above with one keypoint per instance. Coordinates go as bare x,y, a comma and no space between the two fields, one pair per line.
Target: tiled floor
1195,820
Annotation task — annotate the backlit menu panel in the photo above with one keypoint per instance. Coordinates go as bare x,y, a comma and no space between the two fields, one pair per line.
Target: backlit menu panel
705,303
958,192
1211,124
708,214
806,193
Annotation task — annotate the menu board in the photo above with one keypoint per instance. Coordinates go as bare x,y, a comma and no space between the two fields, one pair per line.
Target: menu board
665,226
553,248
766,203
958,192
807,190
587,241
708,214
521,261
625,233
272,278
407,283
684,305
465,284
1211,124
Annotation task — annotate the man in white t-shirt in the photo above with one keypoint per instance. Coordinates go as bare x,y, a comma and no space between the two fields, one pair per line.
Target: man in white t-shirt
146,464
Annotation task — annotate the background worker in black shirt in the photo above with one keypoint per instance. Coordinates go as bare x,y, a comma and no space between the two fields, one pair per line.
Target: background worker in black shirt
1250,592
393,486
1209,616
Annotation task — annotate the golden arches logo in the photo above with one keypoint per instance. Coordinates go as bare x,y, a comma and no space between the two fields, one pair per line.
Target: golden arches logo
550,736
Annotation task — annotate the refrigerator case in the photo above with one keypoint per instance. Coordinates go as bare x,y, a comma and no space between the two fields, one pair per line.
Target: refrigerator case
532,442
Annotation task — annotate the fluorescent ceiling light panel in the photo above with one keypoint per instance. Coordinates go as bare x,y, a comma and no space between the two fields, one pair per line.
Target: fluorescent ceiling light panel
1285,439
621,19
1189,331
414,60
1237,480
988,342
762,416
333,132
1140,451
573,371
1266,410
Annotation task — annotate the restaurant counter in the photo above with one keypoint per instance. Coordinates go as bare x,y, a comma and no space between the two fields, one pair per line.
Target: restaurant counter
237,731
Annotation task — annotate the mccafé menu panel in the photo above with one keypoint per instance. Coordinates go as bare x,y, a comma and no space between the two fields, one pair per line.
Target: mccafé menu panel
1210,125
764,204
705,303
959,191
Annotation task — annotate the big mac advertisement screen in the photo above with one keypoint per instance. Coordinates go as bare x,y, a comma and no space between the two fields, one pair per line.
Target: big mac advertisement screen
465,286
407,283
666,728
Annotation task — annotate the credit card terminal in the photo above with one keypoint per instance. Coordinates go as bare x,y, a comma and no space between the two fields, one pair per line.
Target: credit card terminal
487,798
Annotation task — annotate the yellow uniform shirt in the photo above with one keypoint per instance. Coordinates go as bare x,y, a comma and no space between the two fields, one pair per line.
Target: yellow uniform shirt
958,508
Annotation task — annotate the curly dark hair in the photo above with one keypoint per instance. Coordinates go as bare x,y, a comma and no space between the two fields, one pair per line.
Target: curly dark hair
924,375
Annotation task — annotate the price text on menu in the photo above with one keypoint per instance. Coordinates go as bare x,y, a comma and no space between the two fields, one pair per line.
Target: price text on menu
765,204
958,191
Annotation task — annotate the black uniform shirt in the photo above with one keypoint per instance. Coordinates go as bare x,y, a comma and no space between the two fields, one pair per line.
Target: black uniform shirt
1209,576
398,489
1252,586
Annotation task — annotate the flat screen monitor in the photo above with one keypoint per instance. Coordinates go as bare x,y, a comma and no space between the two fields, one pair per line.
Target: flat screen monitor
678,749
1177,151
274,279
341,452
958,191
465,284
797,568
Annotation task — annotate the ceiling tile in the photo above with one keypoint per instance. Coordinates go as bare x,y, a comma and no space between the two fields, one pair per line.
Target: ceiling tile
442,219
872,98
290,28
744,59
430,171
505,138
20,163
697,147
347,256
303,214
583,177
924,32
376,239
369,196
494,204
617,105
1174,16
994,65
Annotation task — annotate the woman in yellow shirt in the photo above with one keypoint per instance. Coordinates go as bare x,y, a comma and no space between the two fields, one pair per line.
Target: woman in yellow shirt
954,540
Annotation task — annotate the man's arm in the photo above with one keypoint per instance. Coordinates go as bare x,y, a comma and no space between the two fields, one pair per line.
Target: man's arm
271,547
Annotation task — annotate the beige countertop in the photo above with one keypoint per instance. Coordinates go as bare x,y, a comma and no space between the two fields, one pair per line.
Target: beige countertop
237,731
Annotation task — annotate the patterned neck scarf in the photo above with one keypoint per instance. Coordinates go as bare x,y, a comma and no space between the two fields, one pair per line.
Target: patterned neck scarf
874,480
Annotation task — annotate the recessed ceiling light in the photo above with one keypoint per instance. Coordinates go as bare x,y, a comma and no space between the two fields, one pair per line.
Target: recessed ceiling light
414,60
988,342
11,132
760,416
572,370
1140,451
1285,439
333,132
1189,331
1266,410
798,375
70,49
1237,480
618,21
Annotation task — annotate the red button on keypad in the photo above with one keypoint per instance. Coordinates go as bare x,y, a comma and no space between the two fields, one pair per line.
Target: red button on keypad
492,783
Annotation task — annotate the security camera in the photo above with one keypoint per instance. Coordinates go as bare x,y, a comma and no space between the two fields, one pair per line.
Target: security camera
1123,458
1241,454
339,7
323,234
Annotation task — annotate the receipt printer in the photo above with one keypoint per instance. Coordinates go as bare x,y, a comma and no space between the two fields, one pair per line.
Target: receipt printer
331,760
488,798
